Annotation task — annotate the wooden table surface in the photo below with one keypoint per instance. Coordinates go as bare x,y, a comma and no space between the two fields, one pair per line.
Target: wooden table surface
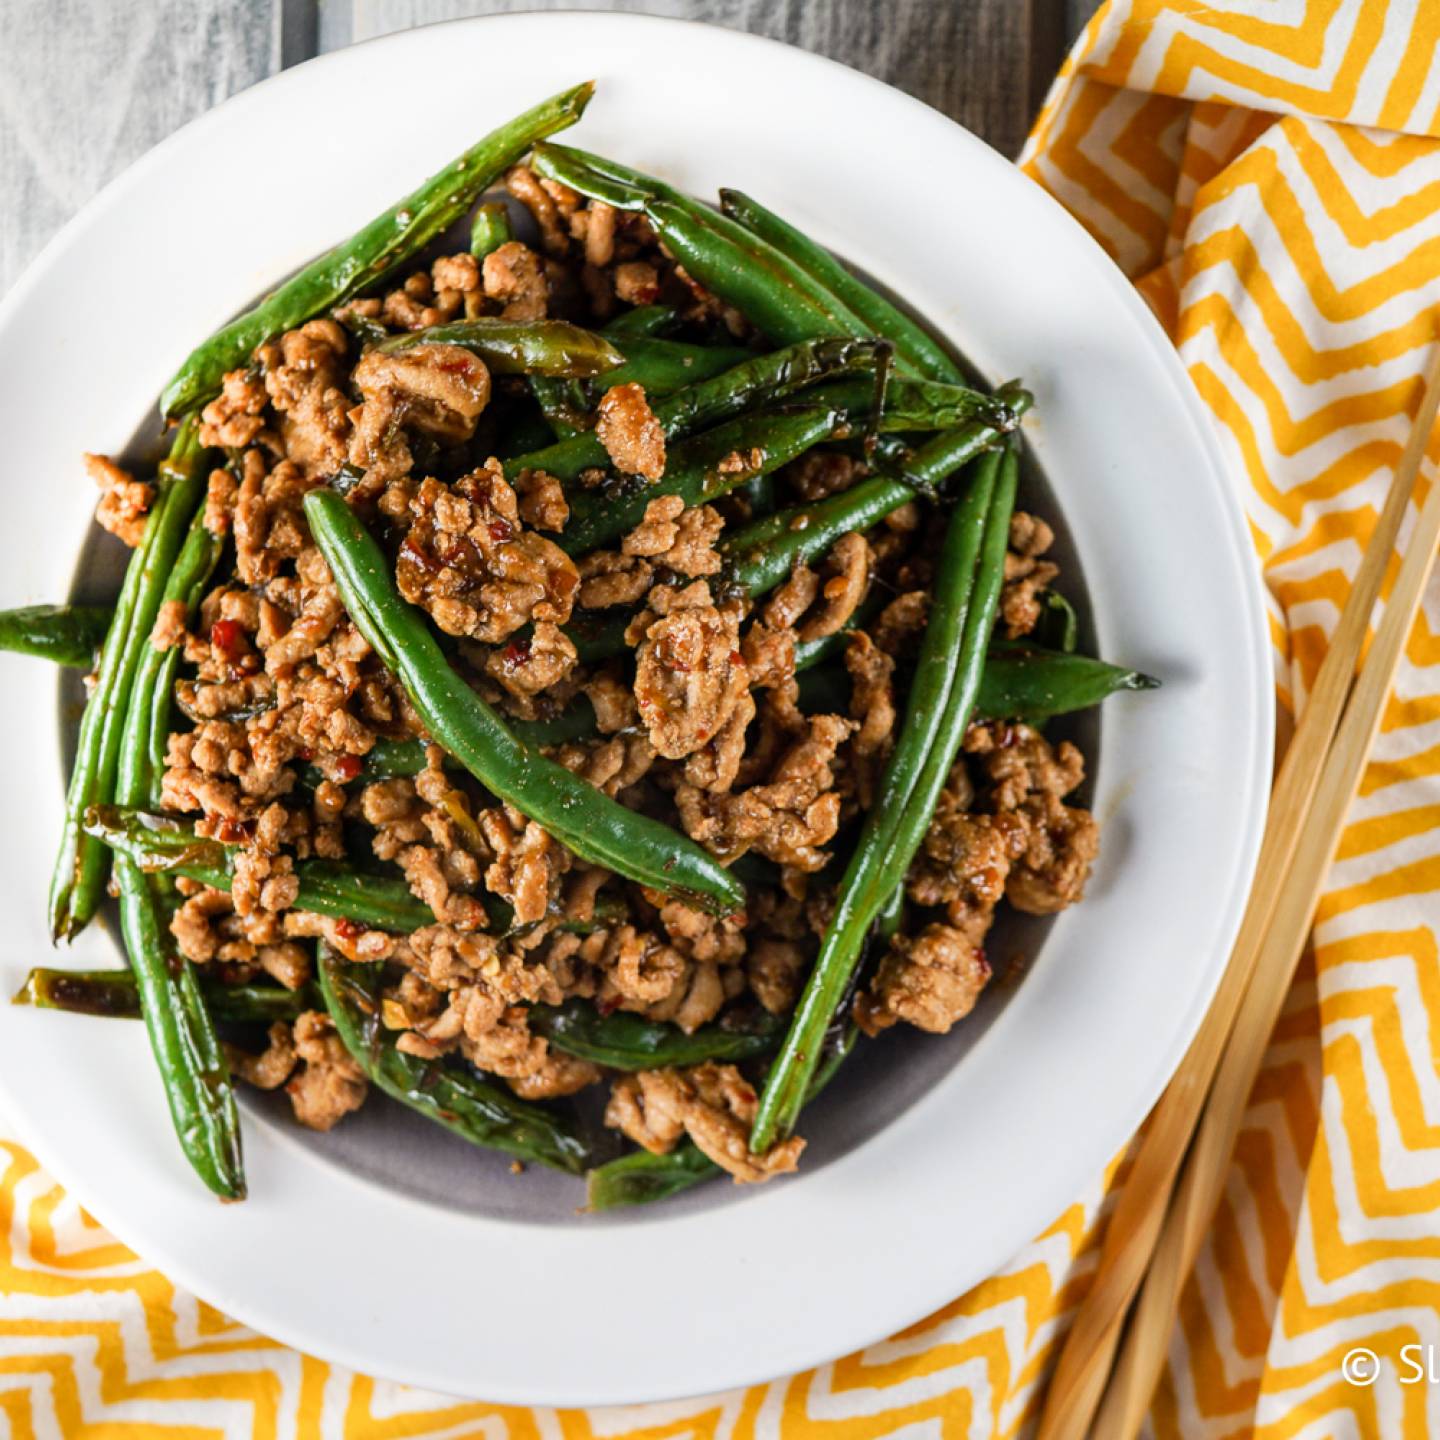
87,86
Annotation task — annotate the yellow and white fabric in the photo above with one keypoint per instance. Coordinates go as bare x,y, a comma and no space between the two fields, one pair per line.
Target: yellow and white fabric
1268,172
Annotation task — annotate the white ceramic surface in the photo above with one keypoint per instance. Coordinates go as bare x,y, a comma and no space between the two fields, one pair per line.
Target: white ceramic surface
804,1269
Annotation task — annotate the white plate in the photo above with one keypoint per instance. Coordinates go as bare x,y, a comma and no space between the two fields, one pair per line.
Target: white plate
689,1301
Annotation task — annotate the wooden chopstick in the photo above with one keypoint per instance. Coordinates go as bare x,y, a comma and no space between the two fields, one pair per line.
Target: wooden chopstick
1135,1226
1203,1178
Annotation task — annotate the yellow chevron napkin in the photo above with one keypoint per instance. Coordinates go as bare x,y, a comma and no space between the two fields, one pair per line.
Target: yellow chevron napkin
1268,172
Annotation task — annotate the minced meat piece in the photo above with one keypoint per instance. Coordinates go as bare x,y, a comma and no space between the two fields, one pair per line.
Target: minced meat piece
931,981
630,433
1056,843
330,1085
787,819
849,564
272,1067
470,562
1026,575
124,501
436,390
305,380
542,500
689,674
527,667
236,416
711,1103
609,578
514,275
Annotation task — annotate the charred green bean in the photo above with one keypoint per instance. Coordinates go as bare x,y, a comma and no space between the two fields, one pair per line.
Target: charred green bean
65,634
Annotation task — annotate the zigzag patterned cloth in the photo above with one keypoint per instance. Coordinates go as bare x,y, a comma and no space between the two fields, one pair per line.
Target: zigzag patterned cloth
1269,174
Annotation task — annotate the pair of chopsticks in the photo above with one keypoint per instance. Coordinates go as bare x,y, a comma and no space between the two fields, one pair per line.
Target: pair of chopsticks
1158,1226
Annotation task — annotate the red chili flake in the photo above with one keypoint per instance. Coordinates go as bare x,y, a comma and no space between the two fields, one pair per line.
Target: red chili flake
307,755
736,658
462,555
517,652
228,637
608,1005
1007,737
347,767
500,530
231,832
349,929
412,553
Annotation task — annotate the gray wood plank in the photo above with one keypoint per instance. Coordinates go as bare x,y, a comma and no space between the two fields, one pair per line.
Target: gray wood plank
971,59
86,88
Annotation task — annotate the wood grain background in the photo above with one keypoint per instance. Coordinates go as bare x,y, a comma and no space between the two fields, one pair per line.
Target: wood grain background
87,86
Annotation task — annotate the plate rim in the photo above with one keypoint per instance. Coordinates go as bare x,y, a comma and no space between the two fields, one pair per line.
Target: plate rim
1206,441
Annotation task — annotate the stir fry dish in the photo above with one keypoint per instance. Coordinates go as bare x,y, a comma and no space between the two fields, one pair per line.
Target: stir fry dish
578,679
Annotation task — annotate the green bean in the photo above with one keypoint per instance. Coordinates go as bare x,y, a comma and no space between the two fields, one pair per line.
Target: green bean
1022,682
392,758
192,1065
644,320
159,844
563,404
763,554
915,405
599,178
768,295
519,347
366,330
384,761
164,845
389,758
766,379
388,241
114,993
588,822
1059,626
914,346
66,634
622,1041
525,431
490,229
969,577
79,875
574,723
702,468
641,1178
142,751
188,1055
663,367
1019,682
466,1104
771,291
